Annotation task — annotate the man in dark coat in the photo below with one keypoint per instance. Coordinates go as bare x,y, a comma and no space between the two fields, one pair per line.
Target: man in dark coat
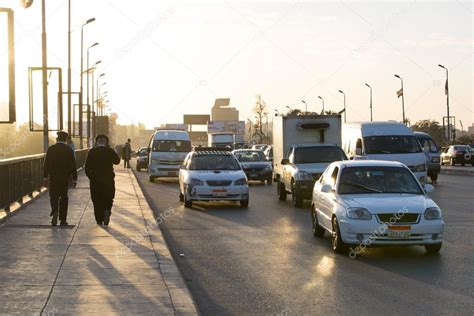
59,166
127,153
100,171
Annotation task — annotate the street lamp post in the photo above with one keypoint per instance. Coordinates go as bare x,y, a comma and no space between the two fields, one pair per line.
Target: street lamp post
371,118
305,105
81,88
45,77
446,91
87,93
101,98
340,91
403,99
320,97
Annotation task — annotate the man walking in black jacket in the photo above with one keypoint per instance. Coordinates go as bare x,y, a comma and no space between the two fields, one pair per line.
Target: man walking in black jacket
59,165
100,171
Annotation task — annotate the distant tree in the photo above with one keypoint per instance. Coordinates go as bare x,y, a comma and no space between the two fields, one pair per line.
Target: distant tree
260,109
433,128
465,139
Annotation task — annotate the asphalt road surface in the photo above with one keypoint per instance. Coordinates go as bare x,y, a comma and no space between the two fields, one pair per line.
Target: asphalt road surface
264,259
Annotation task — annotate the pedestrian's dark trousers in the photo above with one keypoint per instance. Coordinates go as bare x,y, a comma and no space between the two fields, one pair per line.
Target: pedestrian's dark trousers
102,195
58,196
126,163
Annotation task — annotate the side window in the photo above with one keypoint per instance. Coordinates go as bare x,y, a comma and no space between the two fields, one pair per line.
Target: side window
291,153
326,177
332,180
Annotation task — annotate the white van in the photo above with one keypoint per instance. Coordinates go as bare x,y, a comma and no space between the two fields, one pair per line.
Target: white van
390,141
167,150
221,140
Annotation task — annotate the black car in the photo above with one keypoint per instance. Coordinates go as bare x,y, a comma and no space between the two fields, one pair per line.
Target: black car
255,165
457,154
142,158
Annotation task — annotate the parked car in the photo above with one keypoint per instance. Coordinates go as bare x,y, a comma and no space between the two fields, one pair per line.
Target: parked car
256,166
432,153
375,203
212,174
457,154
142,158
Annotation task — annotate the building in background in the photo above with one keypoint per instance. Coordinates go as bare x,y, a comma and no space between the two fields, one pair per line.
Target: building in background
221,111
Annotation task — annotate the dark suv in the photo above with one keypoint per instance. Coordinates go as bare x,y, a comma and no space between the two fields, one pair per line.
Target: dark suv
457,154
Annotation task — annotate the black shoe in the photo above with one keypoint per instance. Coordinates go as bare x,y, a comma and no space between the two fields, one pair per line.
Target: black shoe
106,217
63,223
99,223
54,221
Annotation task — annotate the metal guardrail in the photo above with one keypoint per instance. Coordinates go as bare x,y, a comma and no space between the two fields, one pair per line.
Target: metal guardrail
22,176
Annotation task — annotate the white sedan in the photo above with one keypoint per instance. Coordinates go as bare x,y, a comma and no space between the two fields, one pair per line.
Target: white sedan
363,203
209,174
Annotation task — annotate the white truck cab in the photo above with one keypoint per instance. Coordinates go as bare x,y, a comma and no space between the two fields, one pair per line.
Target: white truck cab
221,140
167,150
391,141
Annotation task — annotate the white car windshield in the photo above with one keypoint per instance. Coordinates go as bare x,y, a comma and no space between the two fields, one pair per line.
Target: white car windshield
250,156
363,180
171,146
214,162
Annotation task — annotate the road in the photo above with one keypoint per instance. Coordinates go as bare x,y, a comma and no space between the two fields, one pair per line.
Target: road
264,259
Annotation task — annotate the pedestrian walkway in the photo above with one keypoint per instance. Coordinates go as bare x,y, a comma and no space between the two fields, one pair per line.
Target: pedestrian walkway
125,268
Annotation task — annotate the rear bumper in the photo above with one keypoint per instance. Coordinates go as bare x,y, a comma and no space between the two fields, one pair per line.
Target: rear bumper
304,189
259,175
357,232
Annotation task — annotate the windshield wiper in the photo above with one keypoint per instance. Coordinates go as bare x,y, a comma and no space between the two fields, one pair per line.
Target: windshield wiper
360,186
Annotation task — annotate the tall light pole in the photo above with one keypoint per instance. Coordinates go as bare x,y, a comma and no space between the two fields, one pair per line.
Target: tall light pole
340,91
305,105
45,77
320,97
101,98
81,88
69,85
446,91
368,85
87,93
403,98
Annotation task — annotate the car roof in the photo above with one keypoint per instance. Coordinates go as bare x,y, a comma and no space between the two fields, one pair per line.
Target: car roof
314,145
368,163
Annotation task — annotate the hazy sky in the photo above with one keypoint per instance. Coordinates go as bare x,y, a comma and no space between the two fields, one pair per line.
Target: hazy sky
164,59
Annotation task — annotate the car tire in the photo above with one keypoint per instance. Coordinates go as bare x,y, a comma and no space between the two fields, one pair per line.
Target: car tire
270,180
337,244
151,178
433,248
318,231
138,168
452,163
281,192
244,203
181,197
297,201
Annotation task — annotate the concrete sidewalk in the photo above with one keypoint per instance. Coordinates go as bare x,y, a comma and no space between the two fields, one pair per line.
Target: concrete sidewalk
125,268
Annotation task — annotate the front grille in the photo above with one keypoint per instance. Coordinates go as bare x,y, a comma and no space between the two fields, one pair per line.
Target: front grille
169,162
218,183
396,219
256,169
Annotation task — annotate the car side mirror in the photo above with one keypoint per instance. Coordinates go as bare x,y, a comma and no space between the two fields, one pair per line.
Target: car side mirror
285,161
428,188
326,188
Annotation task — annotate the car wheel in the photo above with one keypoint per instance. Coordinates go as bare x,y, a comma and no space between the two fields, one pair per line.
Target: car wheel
296,200
452,163
281,192
434,248
270,180
151,178
138,168
187,203
244,203
318,231
434,177
337,244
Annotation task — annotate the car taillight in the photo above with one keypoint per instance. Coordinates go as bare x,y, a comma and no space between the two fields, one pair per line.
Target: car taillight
458,152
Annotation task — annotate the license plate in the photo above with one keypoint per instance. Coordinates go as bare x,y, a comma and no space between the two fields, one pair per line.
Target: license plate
219,192
399,231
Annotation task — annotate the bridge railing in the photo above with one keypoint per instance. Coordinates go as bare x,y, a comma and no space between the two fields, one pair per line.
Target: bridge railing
23,176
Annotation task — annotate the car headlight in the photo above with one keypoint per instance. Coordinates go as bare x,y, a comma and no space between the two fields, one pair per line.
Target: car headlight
420,168
358,213
303,175
196,182
435,159
242,181
432,213
267,168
